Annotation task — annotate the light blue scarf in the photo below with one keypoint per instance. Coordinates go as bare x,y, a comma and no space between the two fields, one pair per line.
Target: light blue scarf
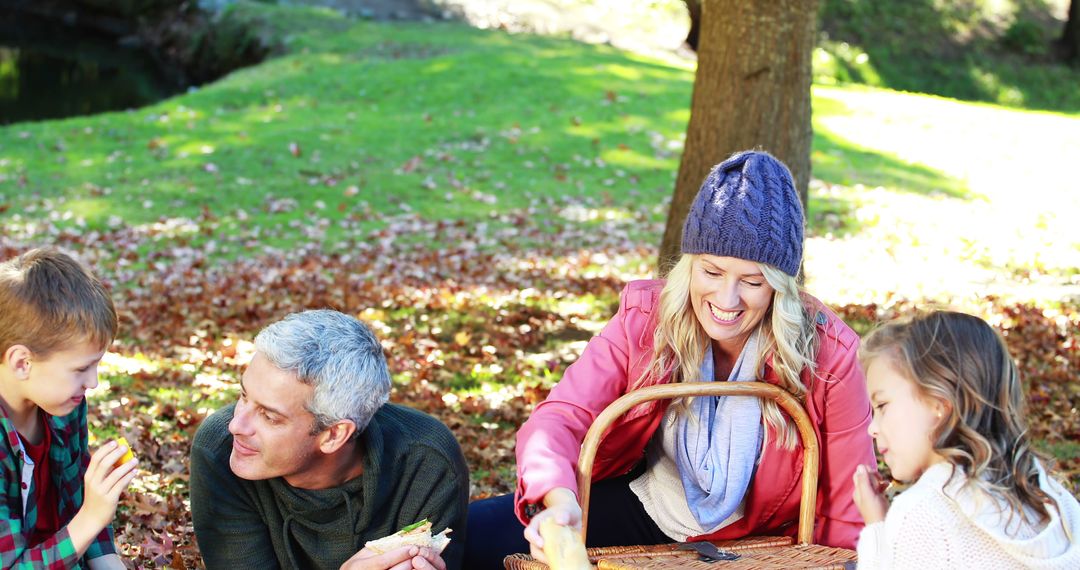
717,442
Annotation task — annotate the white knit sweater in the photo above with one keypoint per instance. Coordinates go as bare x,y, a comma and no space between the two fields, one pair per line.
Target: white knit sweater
939,525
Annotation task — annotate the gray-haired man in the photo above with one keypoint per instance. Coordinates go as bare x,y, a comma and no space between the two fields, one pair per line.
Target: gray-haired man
311,462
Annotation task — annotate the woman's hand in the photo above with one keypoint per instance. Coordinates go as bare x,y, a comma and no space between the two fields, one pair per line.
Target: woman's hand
561,503
869,494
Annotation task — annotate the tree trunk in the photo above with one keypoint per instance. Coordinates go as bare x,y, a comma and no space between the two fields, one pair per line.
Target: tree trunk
1070,39
752,90
694,8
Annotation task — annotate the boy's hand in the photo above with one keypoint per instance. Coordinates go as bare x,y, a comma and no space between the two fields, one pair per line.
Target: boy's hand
103,482
869,494
102,486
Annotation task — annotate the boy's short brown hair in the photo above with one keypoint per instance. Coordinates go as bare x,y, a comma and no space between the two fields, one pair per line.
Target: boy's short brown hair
49,301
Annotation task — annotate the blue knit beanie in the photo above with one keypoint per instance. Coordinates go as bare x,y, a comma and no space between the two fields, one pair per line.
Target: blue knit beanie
748,208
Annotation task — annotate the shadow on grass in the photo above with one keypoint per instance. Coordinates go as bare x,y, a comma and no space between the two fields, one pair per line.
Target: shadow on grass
838,161
914,46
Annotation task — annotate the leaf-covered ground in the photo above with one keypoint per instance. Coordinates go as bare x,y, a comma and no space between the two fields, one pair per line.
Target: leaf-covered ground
479,200
475,338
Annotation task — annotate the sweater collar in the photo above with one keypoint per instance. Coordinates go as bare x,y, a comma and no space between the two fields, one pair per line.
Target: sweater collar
322,505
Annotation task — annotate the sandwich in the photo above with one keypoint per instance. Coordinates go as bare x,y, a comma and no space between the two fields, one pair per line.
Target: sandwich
416,534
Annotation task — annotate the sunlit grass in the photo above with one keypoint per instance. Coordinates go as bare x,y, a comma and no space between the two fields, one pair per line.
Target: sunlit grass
360,123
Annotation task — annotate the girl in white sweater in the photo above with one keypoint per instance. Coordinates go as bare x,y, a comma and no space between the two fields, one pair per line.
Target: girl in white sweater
949,417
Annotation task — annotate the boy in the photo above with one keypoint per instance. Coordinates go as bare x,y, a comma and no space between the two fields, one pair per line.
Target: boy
56,501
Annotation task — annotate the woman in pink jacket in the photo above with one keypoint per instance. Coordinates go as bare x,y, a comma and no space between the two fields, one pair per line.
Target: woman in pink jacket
714,467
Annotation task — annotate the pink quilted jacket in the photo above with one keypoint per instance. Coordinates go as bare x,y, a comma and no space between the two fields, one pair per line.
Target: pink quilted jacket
612,364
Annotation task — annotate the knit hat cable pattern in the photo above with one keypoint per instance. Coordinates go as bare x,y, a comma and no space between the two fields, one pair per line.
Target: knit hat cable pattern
748,208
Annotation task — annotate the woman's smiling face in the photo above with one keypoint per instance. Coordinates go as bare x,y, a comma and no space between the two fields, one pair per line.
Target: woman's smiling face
730,297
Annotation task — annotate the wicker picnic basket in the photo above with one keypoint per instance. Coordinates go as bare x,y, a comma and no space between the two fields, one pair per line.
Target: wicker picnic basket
755,553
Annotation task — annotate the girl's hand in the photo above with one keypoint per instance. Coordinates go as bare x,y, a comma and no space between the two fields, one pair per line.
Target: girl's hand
561,504
869,494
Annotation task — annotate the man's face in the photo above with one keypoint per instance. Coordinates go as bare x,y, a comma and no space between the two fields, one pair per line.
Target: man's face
271,427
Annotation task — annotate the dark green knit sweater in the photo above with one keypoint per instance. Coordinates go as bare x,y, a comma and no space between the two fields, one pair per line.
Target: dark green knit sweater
413,469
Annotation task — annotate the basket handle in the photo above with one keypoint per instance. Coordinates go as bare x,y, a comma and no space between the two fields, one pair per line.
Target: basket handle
615,410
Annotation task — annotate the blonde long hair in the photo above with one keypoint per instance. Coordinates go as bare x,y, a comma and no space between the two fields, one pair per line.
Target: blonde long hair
962,362
787,332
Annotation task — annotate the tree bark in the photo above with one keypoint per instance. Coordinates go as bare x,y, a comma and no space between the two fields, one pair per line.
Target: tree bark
751,90
1070,39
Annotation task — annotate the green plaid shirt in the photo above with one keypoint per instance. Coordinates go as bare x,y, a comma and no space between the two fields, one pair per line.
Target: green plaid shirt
68,458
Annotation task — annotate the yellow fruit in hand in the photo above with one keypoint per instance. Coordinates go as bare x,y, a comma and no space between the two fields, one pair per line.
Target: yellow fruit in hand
128,455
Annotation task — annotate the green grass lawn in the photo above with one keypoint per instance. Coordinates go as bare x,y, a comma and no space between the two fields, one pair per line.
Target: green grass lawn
444,121
360,121
363,140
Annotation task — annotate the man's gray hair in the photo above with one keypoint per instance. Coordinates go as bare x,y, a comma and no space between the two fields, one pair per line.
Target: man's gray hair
338,356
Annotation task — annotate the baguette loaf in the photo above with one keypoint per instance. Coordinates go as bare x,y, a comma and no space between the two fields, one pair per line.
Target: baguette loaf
563,546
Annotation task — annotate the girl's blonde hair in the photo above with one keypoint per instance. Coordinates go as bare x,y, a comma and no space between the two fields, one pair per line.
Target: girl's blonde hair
787,334
963,363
